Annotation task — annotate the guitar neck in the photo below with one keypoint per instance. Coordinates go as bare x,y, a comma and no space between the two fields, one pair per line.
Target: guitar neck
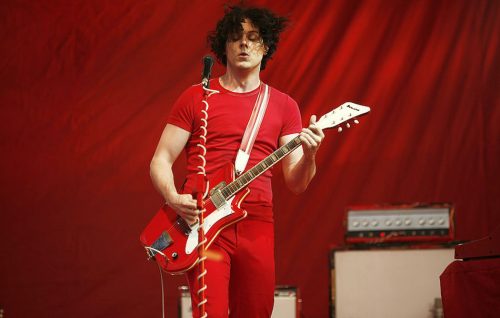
343,113
242,181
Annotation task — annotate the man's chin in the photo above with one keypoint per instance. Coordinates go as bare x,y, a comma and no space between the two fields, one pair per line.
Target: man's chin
246,65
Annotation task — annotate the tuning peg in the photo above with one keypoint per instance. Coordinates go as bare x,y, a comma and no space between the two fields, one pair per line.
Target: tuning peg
356,121
339,129
348,125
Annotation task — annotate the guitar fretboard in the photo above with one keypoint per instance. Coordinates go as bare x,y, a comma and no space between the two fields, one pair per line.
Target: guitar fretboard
242,181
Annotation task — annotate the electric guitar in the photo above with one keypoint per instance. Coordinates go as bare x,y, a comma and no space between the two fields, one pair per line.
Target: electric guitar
172,242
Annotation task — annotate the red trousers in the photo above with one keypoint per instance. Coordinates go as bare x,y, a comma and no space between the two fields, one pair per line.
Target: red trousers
240,283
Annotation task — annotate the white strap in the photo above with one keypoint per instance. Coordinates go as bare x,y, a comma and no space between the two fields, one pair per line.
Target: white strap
252,130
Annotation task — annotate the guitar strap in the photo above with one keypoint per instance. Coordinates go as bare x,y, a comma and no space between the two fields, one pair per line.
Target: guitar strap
252,129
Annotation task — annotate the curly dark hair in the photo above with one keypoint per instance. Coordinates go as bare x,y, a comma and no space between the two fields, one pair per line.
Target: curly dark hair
269,24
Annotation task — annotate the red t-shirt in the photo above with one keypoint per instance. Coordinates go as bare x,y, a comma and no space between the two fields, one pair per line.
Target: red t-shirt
228,116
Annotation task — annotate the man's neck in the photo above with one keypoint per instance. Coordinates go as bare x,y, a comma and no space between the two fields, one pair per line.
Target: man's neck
240,82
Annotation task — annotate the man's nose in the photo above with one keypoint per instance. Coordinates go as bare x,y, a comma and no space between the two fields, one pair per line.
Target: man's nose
244,40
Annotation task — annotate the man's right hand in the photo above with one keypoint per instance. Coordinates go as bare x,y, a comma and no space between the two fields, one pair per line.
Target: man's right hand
185,206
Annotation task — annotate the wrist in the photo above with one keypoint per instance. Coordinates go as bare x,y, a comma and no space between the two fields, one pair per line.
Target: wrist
170,197
309,157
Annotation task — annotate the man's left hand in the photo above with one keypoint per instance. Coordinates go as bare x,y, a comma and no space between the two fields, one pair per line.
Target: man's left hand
311,138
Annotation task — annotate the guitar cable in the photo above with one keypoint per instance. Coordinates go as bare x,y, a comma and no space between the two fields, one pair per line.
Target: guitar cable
200,204
201,195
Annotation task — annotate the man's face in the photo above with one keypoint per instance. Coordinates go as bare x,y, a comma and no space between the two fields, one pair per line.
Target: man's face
245,51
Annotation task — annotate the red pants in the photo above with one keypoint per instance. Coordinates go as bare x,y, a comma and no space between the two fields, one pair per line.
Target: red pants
242,282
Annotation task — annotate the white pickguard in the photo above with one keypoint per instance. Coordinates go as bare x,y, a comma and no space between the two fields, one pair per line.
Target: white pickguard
214,217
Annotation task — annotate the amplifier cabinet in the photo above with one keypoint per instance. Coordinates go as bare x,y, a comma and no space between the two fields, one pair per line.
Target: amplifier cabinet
378,283
286,302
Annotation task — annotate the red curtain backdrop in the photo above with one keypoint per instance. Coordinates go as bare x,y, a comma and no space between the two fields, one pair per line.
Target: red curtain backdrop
86,87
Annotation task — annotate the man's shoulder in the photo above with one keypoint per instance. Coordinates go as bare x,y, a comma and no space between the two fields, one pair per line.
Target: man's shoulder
278,92
282,97
193,89
190,94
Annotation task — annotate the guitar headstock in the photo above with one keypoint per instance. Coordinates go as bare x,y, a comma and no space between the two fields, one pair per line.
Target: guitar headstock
345,112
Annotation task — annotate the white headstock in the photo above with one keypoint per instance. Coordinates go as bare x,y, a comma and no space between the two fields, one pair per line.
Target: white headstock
341,114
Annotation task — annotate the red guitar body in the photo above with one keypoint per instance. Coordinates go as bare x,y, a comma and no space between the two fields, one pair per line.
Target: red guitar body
173,237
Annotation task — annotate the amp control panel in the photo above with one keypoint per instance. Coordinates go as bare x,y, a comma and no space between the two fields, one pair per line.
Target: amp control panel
399,223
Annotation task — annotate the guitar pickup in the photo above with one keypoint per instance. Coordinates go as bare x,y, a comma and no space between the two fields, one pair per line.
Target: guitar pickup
218,187
161,243
217,198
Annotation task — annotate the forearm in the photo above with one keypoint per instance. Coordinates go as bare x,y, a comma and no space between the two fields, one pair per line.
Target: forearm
301,174
163,178
172,141
300,167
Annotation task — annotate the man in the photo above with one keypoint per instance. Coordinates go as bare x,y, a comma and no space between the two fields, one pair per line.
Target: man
242,281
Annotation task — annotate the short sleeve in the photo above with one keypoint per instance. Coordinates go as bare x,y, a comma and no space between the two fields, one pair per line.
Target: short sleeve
182,113
292,122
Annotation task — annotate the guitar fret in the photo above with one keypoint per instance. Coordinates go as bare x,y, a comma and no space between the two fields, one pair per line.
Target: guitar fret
243,180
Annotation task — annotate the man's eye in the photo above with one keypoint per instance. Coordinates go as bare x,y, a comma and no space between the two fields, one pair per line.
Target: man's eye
253,37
